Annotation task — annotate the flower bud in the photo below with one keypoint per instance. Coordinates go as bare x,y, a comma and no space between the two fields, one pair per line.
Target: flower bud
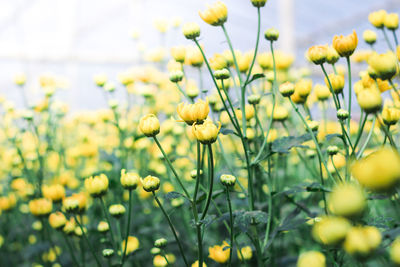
193,113
332,150
311,259
20,79
160,243
129,180
391,21
109,87
151,183
206,133
228,180
369,36
330,230
322,92
149,125
96,186
258,3
313,125
347,200
385,65
108,253
116,210
103,227
100,79
345,45
337,82
40,207
57,220
370,100
71,204
303,87
54,192
342,114
218,62
246,252
390,115
271,34
332,56
317,54
215,14
395,251
113,104
361,241
176,76
191,30
377,18
193,173
280,113
222,74
286,89
254,99
178,53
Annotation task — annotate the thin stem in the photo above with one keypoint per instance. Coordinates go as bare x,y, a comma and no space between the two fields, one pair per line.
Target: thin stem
87,241
388,134
183,93
71,251
267,231
394,88
127,227
171,167
395,37
103,205
231,225
211,180
360,130
172,229
387,39
256,49
194,207
336,170
349,100
368,138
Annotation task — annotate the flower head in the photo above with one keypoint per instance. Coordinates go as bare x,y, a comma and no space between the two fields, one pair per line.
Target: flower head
207,132
97,186
345,45
215,14
218,254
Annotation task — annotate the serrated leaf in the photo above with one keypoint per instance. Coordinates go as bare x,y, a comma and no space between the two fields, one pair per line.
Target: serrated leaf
172,195
244,219
284,144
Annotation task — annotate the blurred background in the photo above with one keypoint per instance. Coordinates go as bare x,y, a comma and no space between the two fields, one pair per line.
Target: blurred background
74,40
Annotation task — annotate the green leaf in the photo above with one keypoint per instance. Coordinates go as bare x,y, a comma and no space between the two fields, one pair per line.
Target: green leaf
328,137
255,77
244,219
226,131
172,195
284,144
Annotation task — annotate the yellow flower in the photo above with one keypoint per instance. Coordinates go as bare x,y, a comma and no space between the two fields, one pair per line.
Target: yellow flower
7,202
191,30
97,186
40,206
345,45
194,57
178,53
322,92
332,56
216,14
57,220
311,259
398,52
149,125
369,36
330,230
370,100
193,113
346,200
100,79
258,3
151,183
385,65
247,253
378,171
218,254
19,79
303,87
391,21
362,240
317,54
54,192
196,264
129,180
395,251
377,18
207,132
337,82
133,244
286,89
218,62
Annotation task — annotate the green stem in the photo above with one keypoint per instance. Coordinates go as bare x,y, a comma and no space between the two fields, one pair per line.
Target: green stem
336,170
388,134
183,93
395,38
194,208
231,225
394,88
103,205
211,181
171,167
256,49
127,227
349,100
360,131
368,138
87,241
172,229
71,251
387,39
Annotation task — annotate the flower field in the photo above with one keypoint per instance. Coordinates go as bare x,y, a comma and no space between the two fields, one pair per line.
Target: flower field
238,158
